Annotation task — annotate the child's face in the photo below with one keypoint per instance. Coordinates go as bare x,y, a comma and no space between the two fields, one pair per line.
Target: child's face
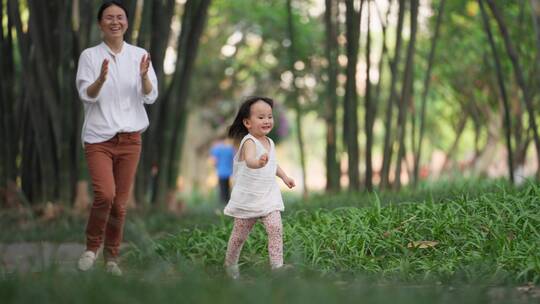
260,121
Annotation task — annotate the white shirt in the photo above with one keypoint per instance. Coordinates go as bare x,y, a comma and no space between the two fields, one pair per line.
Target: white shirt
119,105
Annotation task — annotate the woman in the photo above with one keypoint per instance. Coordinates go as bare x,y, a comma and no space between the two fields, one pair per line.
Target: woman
114,81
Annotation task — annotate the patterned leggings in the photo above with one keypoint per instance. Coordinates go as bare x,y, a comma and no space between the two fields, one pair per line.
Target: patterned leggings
241,230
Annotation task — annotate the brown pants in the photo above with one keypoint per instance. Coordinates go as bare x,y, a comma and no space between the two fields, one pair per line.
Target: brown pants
112,166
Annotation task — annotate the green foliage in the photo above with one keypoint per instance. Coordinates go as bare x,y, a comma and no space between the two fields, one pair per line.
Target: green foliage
464,76
244,51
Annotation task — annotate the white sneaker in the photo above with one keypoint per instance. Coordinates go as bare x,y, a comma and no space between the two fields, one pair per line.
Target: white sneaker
112,268
86,261
233,271
281,268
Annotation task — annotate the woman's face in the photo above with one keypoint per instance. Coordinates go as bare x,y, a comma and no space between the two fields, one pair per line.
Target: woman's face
113,23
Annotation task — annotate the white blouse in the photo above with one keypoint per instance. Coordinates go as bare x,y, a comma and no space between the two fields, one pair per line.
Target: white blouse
119,106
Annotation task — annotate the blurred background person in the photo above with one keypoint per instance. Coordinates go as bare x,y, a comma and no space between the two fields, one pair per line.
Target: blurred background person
222,154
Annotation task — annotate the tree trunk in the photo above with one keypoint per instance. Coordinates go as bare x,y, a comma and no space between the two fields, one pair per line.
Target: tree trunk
485,157
388,143
173,108
48,47
41,94
535,5
332,164
384,54
9,133
459,131
369,112
407,92
162,15
500,80
380,67
145,30
351,94
477,131
131,6
296,95
518,73
82,37
156,18
69,136
427,81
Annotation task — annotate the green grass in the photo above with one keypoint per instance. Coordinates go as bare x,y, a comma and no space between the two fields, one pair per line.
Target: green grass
492,237
345,247
24,226
191,286
437,192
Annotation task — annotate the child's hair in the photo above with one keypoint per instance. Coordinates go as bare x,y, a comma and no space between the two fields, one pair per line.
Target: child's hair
237,130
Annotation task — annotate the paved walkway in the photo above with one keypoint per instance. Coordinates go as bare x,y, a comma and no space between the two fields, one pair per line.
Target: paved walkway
39,256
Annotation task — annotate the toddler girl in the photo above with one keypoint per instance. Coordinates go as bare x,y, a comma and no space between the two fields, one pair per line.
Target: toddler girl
255,193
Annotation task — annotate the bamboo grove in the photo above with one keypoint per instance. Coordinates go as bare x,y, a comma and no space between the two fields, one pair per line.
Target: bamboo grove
480,56
41,115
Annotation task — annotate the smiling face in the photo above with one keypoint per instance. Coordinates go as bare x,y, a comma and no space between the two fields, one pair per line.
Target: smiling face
260,121
114,22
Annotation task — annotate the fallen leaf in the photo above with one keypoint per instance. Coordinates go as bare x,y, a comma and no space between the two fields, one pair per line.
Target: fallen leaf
422,244
511,236
527,288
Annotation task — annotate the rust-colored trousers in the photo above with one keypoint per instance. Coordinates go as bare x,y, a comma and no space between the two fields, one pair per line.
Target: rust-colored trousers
112,166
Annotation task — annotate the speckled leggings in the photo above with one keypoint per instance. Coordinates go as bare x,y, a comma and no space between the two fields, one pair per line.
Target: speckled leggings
240,232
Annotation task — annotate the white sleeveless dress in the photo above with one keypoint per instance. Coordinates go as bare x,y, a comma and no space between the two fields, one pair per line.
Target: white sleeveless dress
255,192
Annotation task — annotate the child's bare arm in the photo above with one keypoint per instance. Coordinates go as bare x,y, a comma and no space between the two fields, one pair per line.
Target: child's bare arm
250,155
287,180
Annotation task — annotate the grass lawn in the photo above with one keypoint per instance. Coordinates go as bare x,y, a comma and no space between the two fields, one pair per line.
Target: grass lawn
471,241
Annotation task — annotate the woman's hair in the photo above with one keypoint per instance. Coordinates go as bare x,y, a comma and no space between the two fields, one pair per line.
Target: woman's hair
108,3
237,130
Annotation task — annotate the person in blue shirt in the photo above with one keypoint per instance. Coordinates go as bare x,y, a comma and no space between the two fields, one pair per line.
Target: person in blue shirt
222,153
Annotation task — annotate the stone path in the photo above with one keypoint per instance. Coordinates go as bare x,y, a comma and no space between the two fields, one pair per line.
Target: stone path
39,256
